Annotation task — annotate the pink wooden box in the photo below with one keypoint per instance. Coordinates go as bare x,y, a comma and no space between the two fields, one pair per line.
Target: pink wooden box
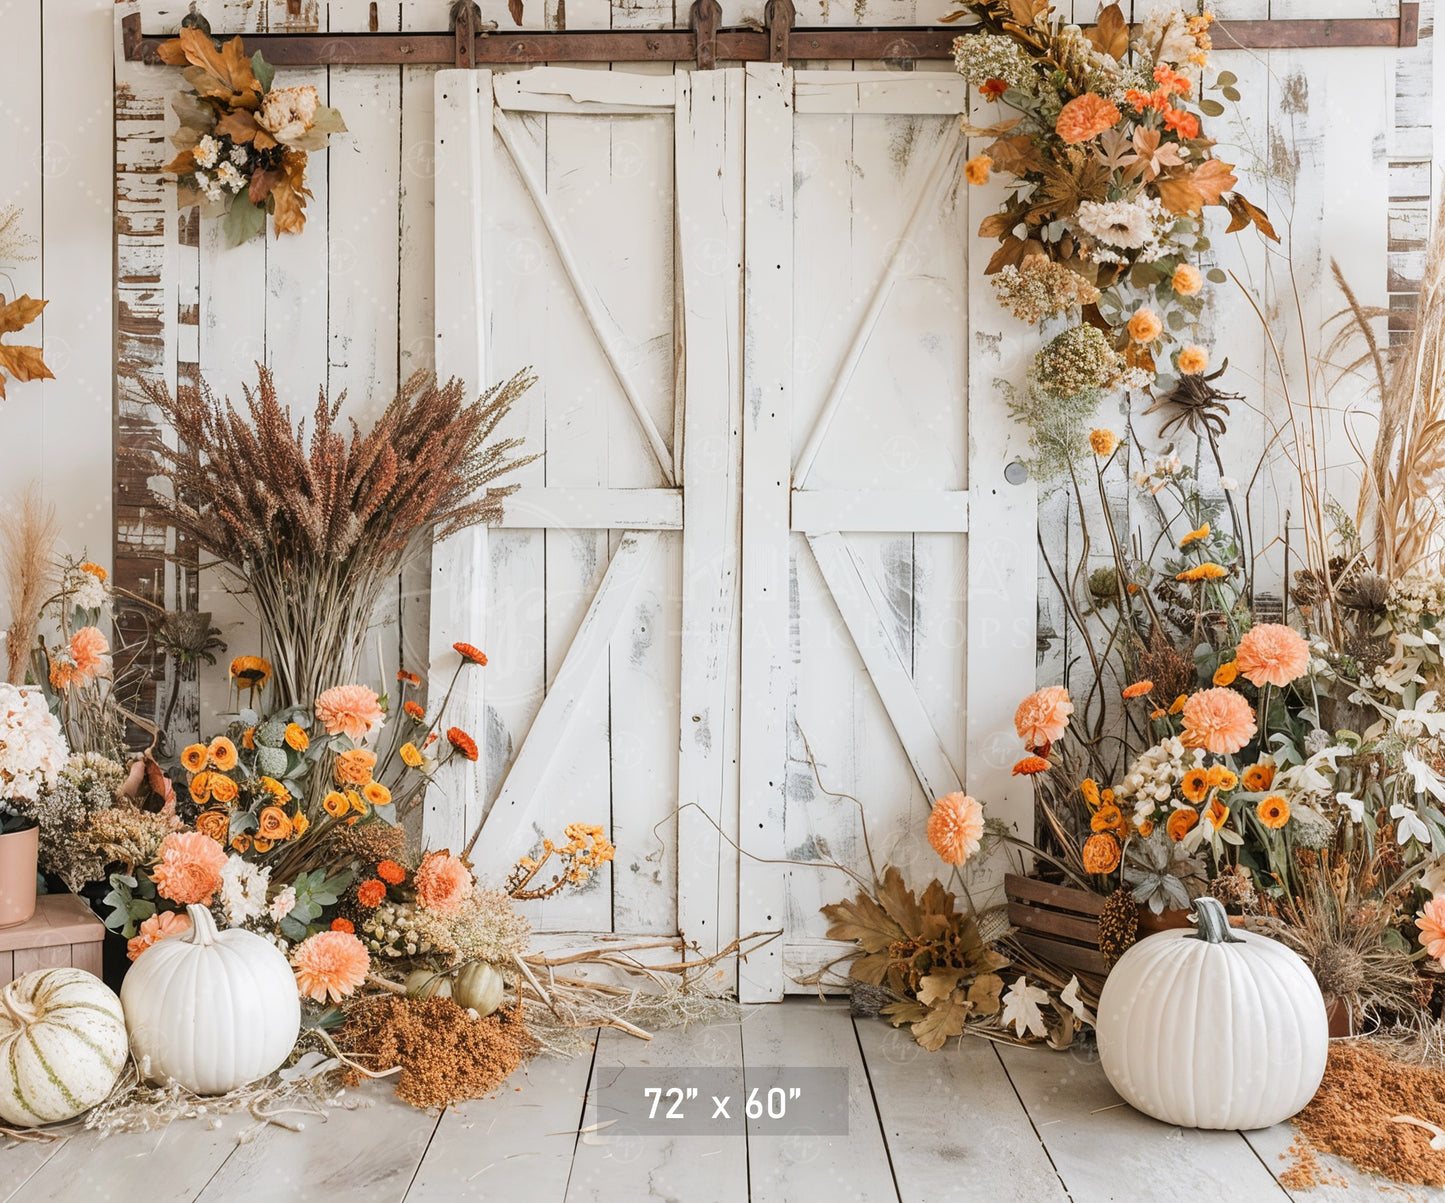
63,931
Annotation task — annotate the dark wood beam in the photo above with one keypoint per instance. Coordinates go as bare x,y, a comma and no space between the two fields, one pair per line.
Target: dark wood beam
705,44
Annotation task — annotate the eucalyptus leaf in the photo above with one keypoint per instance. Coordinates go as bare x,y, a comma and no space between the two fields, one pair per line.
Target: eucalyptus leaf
265,72
1211,108
1232,94
1216,275
244,221
1225,78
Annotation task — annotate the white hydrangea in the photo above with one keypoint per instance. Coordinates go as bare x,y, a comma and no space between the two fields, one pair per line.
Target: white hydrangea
238,155
89,592
243,890
32,748
207,151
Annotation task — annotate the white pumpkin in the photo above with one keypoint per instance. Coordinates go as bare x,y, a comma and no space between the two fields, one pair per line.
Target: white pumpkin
62,1045
479,986
211,1009
1213,1028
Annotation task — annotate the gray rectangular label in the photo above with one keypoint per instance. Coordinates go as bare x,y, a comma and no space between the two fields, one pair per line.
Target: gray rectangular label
766,1100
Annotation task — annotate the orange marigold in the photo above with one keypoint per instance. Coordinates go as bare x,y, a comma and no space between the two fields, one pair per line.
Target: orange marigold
1107,818
955,828
1089,790
1138,689
1199,532
1101,853
1272,654
462,742
345,925
370,892
976,170
1086,117
1219,721
1259,777
391,872
1030,765
1221,778
261,844
200,788
413,710
1181,823
1043,716
1273,812
1216,814
467,652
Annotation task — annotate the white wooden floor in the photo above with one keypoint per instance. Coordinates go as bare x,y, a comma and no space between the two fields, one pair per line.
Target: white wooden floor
973,1122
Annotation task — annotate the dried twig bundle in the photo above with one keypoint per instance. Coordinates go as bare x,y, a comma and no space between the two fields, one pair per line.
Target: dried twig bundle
27,553
317,523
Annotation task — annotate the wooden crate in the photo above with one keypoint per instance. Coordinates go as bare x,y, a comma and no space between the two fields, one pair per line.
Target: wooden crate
1059,923
63,931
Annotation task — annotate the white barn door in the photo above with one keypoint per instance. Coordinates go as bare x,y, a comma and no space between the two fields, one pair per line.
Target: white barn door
589,226
771,513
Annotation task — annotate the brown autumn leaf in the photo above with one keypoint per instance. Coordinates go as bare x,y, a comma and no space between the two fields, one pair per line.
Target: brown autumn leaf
1178,193
1011,252
262,181
24,363
515,8
1024,11
183,164
945,1020
996,225
1111,35
290,194
1018,155
1243,212
19,313
1213,178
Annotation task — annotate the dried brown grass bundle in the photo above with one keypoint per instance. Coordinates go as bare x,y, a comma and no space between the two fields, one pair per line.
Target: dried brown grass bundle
318,522
27,556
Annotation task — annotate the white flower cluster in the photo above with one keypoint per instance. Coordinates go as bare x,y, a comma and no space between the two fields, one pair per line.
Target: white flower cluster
1112,227
1166,468
32,748
1155,775
243,890
206,152
981,57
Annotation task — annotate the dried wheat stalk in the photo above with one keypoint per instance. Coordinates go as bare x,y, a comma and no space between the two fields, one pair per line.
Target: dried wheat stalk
318,523
27,555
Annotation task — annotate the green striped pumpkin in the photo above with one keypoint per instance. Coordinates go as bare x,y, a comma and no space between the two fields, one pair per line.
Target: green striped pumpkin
62,1045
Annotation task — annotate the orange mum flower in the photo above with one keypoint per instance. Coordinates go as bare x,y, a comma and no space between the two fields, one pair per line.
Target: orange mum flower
1086,117
391,872
1101,853
1273,812
468,652
955,828
462,742
194,757
354,766
1030,765
330,965
1273,654
1103,442
345,925
189,867
1138,689
1259,776
410,756
1183,123
976,170
1181,823
442,882
1145,326
1219,721
370,892
335,804
414,710
1043,716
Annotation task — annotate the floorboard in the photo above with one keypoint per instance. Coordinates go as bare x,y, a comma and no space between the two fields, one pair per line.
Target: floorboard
518,1145
370,1153
952,1117
20,1161
786,1168
1104,1150
170,1166
705,1169
1341,1182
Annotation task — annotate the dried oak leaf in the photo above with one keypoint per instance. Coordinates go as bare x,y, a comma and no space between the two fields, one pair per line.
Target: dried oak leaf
1018,155
1213,179
938,987
862,920
24,363
1111,35
224,74
290,194
941,1022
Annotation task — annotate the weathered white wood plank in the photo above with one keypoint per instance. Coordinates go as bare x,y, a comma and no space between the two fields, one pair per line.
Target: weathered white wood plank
515,1145
859,601
881,92
463,125
952,1117
818,511
1076,1114
21,1161
169,1166
506,831
607,1168
561,507
371,1151
784,1168
709,202
571,90
766,474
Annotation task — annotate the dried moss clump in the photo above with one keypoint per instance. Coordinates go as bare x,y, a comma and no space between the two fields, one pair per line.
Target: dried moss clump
445,1054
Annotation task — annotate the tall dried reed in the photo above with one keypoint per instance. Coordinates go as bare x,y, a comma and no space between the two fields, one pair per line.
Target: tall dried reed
317,524
27,555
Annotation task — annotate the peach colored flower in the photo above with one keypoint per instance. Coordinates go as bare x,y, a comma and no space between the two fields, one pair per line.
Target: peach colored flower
1218,720
1272,654
330,965
1138,689
1103,441
354,766
1086,117
1145,326
955,828
1192,360
976,170
189,867
160,926
88,649
1431,922
1043,716
353,709
442,882
1187,281
1181,823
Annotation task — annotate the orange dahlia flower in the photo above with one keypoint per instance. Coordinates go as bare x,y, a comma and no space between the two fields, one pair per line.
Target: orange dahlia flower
189,867
1086,117
330,965
1218,720
442,882
955,828
1043,716
1272,654
353,709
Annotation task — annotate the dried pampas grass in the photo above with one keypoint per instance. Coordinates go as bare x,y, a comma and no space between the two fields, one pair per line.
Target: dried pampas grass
27,554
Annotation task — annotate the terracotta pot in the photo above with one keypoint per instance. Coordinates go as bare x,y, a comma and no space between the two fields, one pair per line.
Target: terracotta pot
19,851
1170,918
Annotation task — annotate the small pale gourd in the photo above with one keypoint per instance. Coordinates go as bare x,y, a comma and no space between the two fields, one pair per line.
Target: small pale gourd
479,986
62,1045
427,983
1213,1028
212,1009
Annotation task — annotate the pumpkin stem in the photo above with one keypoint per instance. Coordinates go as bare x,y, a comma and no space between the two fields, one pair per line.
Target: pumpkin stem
17,1012
1213,922
203,926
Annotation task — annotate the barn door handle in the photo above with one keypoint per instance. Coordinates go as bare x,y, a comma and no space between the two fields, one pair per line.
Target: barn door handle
704,19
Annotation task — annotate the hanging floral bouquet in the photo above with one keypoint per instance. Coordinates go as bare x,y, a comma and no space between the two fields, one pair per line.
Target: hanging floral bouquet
1111,173
243,142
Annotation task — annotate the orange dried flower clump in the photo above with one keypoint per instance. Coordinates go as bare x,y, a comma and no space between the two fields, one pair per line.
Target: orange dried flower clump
1030,765
1192,360
370,892
1187,281
414,710
955,828
391,872
1103,441
1145,326
1086,117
